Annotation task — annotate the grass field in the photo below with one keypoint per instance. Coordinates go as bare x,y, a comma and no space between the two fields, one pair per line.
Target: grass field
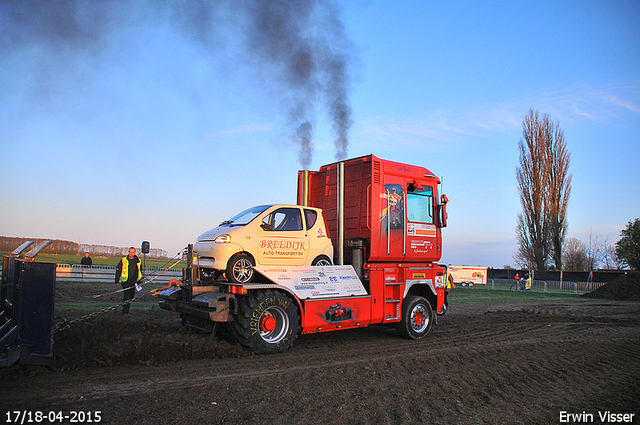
464,295
97,296
102,261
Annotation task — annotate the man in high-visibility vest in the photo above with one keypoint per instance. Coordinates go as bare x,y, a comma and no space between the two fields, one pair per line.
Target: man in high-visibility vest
130,270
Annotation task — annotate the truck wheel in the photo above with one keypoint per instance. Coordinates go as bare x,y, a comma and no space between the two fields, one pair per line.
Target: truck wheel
322,260
240,269
416,317
267,322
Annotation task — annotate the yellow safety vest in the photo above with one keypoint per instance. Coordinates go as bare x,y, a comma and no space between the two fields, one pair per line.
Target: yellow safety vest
448,280
124,276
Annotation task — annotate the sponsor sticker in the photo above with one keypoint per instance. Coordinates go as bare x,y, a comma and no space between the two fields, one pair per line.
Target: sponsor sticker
316,282
417,229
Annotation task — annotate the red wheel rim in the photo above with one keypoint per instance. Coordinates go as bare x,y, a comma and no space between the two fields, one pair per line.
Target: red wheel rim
419,318
267,323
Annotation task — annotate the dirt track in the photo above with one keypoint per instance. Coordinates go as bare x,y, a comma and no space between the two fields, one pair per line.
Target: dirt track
482,363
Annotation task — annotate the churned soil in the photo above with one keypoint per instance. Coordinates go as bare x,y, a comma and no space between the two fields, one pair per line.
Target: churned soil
482,363
626,287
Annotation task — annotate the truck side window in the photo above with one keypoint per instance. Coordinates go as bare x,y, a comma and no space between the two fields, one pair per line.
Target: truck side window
420,205
311,217
283,219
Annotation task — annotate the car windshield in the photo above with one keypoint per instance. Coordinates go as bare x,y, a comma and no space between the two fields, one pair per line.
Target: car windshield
245,217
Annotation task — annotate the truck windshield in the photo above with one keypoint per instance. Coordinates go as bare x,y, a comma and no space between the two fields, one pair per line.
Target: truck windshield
245,216
420,206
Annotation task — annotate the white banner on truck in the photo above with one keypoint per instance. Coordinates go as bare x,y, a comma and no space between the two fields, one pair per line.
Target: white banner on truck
316,282
469,275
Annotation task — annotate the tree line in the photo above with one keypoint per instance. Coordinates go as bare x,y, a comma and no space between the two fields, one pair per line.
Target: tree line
603,252
57,246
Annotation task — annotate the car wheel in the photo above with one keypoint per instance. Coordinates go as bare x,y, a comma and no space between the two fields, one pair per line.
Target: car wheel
321,260
240,269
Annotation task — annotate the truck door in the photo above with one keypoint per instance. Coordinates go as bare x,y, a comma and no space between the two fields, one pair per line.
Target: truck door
282,238
421,242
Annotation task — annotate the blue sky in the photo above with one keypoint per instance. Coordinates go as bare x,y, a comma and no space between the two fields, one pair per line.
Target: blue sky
149,123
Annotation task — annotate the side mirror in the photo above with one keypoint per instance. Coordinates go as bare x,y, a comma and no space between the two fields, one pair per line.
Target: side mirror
442,211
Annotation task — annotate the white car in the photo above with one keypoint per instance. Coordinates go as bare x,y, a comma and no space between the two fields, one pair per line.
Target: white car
286,235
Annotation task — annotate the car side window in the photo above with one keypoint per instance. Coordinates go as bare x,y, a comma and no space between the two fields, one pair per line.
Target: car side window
283,219
311,216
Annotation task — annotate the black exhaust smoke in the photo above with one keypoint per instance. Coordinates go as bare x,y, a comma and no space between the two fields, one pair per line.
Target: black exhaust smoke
299,44
305,42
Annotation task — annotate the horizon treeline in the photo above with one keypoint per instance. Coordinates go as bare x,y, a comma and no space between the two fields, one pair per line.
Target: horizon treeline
57,246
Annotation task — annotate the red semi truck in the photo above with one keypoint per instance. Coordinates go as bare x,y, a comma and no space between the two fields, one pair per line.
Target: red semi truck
384,220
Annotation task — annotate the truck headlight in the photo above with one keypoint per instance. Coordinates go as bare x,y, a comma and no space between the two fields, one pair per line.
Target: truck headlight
223,239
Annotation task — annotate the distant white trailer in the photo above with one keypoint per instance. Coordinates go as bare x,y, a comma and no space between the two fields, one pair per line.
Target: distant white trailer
468,276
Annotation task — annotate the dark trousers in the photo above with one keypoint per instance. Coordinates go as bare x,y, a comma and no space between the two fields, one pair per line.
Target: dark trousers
129,294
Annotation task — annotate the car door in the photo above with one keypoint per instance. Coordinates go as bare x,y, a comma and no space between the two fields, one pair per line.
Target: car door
282,238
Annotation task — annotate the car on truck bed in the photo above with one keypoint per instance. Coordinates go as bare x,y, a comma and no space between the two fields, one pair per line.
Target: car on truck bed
264,235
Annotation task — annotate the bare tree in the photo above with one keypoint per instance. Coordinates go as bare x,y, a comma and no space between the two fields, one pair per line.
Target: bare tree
592,251
544,186
532,229
559,186
525,255
575,256
607,253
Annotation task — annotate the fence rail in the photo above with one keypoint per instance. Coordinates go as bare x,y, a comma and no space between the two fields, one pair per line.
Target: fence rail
564,287
106,274
76,273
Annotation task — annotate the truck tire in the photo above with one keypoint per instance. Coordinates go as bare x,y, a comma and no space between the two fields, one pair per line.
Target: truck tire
240,269
322,260
417,316
267,322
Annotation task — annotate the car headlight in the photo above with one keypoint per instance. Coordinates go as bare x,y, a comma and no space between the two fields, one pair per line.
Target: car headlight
222,239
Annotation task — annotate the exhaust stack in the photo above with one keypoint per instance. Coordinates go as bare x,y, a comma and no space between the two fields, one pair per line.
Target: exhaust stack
340,259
